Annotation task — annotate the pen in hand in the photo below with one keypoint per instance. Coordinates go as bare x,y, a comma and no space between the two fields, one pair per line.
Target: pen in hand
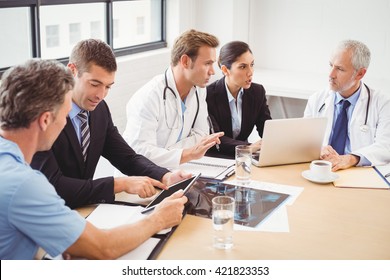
212,130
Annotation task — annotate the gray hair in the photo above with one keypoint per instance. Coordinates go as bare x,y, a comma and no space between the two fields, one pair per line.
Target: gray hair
29,89
361,55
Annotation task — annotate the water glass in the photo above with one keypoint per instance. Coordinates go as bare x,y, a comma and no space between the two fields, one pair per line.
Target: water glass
243,163
223,221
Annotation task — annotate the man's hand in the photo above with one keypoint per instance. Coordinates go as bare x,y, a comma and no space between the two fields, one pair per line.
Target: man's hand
169,212
141,185
201,148
338,161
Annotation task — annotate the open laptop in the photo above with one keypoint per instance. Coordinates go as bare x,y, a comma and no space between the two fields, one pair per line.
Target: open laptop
287,141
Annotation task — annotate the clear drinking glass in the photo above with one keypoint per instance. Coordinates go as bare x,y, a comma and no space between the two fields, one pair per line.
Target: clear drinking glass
223,221
243,163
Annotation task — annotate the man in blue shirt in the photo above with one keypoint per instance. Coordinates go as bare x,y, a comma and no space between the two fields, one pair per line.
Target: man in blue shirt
35,99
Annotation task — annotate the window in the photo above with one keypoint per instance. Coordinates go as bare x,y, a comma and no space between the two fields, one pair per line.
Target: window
74,33
127,26
89,18
96,29
116,28
52,36
15,25
139,22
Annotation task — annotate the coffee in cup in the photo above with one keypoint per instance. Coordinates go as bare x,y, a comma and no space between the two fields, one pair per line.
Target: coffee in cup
321,169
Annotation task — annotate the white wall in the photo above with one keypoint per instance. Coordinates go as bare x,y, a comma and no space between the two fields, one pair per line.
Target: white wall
299,35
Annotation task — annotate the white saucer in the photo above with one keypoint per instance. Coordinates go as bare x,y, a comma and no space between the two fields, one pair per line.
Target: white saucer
307,175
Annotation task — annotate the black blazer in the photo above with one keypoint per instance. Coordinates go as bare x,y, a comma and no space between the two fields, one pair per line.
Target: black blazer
255,112
64,166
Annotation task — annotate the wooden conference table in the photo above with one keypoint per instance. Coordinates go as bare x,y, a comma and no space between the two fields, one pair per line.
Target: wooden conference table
325,222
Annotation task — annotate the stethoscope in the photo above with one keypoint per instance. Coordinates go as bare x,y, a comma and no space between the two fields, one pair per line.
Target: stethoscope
174,94
364,127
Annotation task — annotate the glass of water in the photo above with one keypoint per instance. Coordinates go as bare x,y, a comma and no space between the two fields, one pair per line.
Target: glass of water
243,163
223,221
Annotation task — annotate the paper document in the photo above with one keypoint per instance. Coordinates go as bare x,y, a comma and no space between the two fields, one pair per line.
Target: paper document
107,216
210,167
360,177
277,221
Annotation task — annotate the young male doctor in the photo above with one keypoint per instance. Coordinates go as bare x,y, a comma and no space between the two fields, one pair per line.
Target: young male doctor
167,117
358,131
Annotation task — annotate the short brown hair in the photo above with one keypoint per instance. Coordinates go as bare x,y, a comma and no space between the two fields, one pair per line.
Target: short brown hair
93,51
30,89
189,43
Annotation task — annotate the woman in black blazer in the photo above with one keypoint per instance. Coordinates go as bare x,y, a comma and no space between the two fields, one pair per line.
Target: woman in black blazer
235,104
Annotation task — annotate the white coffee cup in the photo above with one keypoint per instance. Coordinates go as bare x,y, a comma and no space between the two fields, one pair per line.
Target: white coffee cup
321,169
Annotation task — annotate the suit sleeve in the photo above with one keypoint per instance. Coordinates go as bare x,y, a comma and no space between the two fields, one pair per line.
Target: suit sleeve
76,192
125,159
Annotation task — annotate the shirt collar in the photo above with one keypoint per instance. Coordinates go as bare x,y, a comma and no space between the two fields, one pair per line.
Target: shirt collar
229,94
10,147
74,111
352,99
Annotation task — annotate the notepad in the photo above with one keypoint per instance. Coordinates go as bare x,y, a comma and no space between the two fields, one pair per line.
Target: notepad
210,167
360,177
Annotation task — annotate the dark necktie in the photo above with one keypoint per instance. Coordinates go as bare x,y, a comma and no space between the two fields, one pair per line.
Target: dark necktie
84,132
340,129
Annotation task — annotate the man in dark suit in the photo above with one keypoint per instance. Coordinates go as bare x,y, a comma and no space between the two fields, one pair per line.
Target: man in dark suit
90,133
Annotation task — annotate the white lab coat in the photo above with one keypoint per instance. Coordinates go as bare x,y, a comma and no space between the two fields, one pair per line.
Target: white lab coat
153,130
373,144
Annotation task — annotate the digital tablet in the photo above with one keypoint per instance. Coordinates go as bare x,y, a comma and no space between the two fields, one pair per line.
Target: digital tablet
182,185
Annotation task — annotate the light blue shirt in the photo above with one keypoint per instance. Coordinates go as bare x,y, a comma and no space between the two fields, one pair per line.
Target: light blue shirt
353,99
32,215
75,120
235,110
183,109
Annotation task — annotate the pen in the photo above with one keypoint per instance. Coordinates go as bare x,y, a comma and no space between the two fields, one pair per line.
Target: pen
387,175
147,210
230,173
212,130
